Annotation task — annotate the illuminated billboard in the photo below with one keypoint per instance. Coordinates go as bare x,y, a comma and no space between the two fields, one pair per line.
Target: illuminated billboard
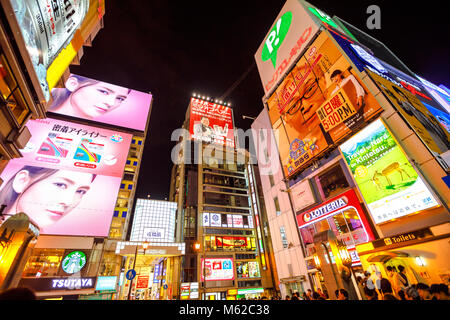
216,269
388,182
291,32
211,123
154,221
46,29
68,178
318,104
99,101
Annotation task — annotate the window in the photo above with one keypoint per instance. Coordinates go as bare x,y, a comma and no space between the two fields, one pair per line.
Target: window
272,182
135,163
332,182
122,186
140,142
277,206
133,141
116,213
11,92
284,240
128,162
130,186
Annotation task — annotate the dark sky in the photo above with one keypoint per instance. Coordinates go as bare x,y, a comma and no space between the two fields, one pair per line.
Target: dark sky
175,48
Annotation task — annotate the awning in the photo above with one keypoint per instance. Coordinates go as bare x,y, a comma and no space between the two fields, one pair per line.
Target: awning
384,256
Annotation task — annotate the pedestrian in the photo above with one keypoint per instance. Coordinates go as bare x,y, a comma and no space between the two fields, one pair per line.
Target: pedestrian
319,291
304,296
308,294
411,293
326,295
360,282
424,291
396,280
370,294
342,294
439,291
295,296
287,297
382,285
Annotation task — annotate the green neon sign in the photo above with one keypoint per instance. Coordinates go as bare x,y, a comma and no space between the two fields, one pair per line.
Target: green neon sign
74,262
323,17
276,38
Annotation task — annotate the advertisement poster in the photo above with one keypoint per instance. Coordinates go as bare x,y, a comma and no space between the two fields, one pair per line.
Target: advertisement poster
214,269
427,127
302,195
65,170
99,101
142,282
319,103
46,29
211,123
291,32
388,182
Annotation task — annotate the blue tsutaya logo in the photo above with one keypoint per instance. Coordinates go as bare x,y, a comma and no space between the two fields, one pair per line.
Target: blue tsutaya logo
332,206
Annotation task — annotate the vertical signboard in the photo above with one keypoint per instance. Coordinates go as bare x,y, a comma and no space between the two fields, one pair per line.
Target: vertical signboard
292,30
388,182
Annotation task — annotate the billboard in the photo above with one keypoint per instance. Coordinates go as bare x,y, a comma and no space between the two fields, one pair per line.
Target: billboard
154,221
388,182
211,123
291,32
422,121
68,178
318,104
99,101
422,111
215,269
46,29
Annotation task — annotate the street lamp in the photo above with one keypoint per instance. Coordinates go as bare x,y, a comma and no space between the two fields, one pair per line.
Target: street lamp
144,246
346,260
197,247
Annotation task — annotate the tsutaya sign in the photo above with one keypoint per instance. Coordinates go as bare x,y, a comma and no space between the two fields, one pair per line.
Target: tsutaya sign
76,283
285,41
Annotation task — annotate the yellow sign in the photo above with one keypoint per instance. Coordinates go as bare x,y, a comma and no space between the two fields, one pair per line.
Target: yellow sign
232,292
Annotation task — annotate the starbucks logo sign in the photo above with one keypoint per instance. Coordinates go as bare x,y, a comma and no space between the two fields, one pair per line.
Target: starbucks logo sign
74,262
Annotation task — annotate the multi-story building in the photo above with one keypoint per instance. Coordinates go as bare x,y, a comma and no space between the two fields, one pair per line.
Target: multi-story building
226,251
363,148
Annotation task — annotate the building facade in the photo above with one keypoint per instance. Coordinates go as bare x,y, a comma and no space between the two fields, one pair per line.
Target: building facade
363,149
226,251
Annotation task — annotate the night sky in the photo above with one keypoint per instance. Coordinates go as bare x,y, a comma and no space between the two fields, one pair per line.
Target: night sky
175,48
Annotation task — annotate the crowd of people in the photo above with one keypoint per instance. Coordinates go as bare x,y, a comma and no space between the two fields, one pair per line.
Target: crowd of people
376,287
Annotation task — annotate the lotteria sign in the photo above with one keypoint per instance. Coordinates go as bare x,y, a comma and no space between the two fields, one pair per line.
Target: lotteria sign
287,37
332,207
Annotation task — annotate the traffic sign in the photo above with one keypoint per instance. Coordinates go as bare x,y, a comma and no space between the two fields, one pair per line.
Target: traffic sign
165,287
130,274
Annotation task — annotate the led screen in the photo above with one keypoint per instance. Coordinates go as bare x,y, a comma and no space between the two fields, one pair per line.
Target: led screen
214,269
211,123
388,182
68,179
103,102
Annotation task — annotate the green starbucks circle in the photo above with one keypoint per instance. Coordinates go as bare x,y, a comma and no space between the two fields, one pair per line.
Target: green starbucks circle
74,262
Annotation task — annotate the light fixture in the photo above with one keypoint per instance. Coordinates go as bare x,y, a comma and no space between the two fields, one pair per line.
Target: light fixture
229,104
194,94
420,261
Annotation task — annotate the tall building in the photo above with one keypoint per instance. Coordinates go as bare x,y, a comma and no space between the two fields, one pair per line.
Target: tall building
363,148
226,251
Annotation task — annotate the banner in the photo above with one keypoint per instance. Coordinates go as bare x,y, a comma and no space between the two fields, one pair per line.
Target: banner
214,269
388,182
211,123
318,104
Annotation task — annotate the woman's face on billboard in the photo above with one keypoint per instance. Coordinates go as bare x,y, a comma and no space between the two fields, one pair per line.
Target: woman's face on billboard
50,199
97,99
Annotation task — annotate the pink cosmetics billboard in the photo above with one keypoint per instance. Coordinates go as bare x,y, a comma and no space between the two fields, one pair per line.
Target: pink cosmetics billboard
68,179
103,102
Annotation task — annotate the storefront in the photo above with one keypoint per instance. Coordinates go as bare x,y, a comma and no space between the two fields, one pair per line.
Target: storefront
337,223
423,253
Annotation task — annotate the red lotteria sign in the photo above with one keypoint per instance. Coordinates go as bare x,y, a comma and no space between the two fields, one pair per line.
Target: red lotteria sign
333,206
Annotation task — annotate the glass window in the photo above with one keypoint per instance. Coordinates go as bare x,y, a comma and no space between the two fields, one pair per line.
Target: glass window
277,206
43,263
284,240
332,182
11,92
272,182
